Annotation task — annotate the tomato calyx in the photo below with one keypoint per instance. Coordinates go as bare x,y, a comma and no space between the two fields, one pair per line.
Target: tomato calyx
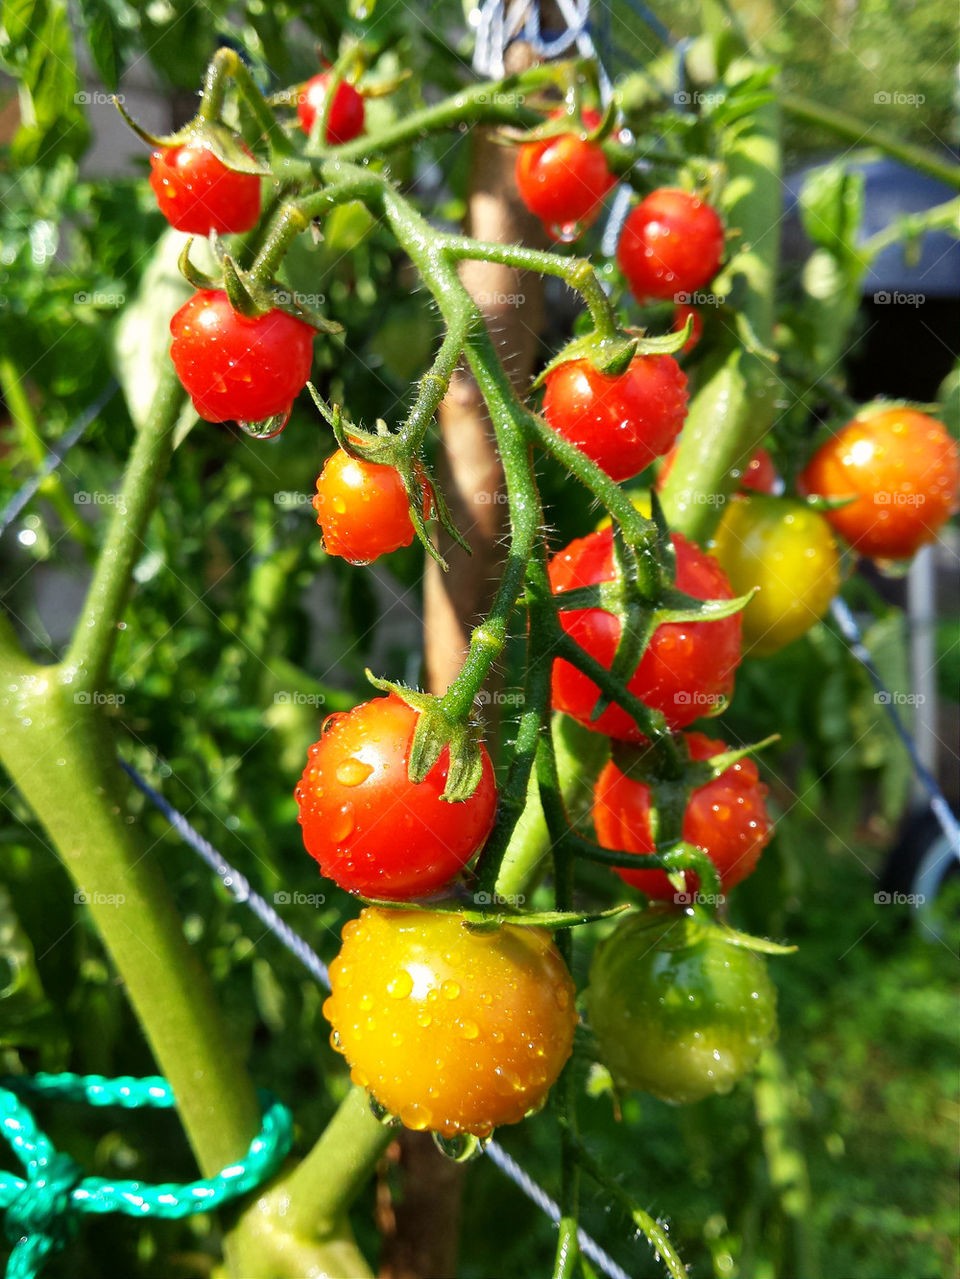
227,146
384,447
435,730
488,921
611,353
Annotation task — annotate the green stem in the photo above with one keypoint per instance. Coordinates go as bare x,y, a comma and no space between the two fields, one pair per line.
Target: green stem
21,412
577,273
656,1235
227,62
849,127
96,630
942,217
313,1199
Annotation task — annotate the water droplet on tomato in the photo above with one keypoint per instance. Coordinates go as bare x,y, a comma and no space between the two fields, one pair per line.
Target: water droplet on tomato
416,1116
267,428
351,772
401,985
450,989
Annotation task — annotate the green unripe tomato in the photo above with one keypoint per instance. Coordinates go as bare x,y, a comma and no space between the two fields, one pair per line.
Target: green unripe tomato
679,1011
788,551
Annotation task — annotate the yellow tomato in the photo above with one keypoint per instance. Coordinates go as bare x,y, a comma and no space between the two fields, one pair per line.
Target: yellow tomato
788,552
450,1029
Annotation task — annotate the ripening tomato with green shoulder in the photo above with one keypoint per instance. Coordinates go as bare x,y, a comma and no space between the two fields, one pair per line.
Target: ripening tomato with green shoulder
621,421
370,828
787,552
452,1029
362,508
198,193
727,817
564,179
679,1010
687,669
903,470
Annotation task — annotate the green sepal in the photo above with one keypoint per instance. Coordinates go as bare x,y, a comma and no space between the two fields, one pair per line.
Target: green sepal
223,142
192,274
675,606
490,921
435,730
713,767
817,502
747,941
611,354
243,299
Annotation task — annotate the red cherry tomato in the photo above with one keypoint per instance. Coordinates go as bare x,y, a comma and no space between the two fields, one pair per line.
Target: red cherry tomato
362,508
672,243
903,469
197,193
727,818
237,368
683,313
345,119
621,422
688,667
371,829
564,179
759,477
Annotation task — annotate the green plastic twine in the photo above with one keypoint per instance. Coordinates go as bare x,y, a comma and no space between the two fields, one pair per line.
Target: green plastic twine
43,1210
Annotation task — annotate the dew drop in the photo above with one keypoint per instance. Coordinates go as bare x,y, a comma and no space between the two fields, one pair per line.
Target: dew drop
351,772
450,989
343,823
401,985
266,429
416,1116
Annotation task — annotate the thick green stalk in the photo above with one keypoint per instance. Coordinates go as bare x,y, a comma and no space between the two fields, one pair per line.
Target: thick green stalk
852,129
95,633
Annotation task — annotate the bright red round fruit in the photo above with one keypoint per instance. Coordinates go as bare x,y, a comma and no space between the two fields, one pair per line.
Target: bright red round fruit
197,193
621,422
564,179
345,120
235,368
672,243
903,469
362,508
688,667
727,818
370,828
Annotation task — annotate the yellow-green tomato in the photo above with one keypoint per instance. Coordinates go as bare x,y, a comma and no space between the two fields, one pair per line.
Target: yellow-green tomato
788,552
678,1009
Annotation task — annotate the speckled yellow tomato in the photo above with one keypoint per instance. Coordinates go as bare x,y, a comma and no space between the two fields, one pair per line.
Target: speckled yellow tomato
452,1030
789,553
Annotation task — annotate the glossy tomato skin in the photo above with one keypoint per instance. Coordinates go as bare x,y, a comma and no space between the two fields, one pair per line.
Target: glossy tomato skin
788,552
688,667
368,826
903,469
678,1011
197,193
564,180
727,818
345,120
362,508
622,422
672,243
450,1030
235,368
